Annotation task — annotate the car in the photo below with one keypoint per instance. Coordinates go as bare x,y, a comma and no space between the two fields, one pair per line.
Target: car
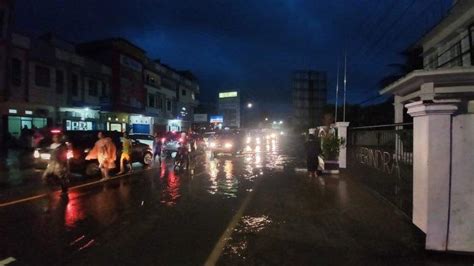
227,142
143,138
81,142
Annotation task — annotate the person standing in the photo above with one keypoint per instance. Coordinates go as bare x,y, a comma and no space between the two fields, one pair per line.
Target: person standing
125,156
313,148
105,152
157,145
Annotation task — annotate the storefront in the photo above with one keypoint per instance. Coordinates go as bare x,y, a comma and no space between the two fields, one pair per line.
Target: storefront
83,119
174,125
141,124
116,121
17,118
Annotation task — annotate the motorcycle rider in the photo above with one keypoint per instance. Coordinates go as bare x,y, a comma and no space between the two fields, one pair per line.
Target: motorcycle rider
182,157
58,163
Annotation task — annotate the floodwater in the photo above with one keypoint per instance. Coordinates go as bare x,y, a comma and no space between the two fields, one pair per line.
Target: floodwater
162,211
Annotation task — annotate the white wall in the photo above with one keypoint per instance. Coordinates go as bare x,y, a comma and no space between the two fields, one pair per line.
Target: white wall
461,228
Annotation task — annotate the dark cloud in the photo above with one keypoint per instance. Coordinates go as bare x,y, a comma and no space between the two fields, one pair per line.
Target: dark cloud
248,44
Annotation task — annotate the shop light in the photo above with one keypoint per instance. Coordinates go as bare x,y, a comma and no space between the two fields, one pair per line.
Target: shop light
12,111
28,112
116,119
110,118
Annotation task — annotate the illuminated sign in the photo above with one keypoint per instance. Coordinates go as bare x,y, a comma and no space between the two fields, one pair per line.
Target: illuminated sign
217,119
229,94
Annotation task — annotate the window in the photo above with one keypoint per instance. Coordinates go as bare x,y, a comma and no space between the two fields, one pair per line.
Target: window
159,102
59,81
93,90
183,92
168,105
42,76
74,85
16,72
151,100
149,79
104,89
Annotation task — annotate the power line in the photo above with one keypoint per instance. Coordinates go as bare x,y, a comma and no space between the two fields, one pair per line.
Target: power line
394,22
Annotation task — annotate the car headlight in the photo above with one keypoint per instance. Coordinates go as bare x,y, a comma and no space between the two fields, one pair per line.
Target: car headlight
212,145
36,154
228,145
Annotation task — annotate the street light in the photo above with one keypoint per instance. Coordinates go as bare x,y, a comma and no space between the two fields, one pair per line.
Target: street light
249,105
281,122
266,118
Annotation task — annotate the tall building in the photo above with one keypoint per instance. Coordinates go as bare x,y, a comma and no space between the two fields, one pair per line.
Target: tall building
309,97
229,108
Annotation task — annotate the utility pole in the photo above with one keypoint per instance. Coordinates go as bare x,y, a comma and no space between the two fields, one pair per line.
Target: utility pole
345,82
337,89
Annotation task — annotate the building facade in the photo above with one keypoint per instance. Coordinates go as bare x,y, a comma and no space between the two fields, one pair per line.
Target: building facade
107,84
229,108
309,97
440,98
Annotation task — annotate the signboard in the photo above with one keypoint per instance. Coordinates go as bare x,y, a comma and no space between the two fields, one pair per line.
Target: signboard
200,117
217,119
79,125
230,94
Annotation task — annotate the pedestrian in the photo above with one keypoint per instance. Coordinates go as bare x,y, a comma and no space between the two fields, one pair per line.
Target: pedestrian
157,145
125,156
57,165
313,148
105,152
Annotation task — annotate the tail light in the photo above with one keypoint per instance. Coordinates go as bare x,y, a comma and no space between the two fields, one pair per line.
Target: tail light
181,140
163,140
55,131
69,154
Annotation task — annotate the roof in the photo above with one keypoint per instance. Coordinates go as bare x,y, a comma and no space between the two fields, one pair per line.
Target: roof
108,41
442,77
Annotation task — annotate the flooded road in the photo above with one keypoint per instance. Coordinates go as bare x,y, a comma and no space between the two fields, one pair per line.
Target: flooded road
155,216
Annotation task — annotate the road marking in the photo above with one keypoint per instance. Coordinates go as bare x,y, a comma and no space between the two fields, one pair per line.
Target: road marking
219,247
7,261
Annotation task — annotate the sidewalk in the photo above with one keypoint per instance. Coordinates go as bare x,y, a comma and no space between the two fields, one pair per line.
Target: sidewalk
294,221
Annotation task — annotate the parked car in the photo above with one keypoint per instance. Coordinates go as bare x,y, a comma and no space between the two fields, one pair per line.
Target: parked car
143,138
80,143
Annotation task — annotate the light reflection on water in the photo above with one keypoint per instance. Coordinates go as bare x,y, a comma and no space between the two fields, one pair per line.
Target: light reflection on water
226,174
171,184
238,245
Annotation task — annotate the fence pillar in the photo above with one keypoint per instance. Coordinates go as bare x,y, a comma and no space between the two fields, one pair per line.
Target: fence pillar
432,126
342,133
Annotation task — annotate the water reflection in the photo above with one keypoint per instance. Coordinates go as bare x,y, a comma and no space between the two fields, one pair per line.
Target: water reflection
74,211
170,192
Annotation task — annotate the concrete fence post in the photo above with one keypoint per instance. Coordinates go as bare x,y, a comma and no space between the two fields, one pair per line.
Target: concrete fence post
432,127
342,134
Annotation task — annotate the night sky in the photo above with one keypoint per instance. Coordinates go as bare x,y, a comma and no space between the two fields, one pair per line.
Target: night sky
252,45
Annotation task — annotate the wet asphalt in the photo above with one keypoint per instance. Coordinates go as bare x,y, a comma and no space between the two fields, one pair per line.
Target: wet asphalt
249,209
